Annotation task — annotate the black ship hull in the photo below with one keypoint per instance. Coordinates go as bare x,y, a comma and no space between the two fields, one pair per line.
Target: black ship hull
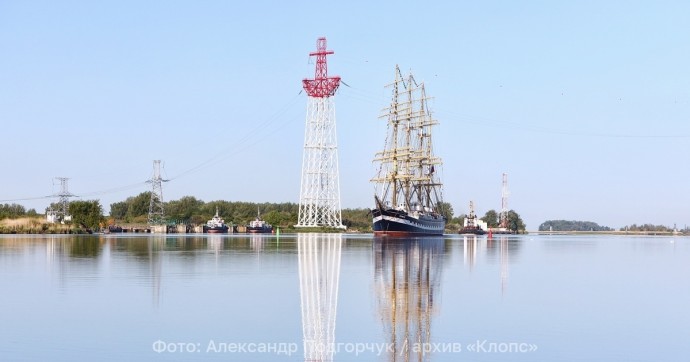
472,230
259,230
115,229
217,229
399,223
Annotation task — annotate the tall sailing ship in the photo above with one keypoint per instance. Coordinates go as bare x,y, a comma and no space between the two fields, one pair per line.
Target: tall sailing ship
408,189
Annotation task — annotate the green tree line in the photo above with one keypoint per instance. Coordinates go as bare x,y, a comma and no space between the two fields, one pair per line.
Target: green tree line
12,211
515,223
190,210
571,225
86,214
647,227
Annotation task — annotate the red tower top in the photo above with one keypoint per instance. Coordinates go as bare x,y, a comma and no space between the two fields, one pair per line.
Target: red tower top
322,85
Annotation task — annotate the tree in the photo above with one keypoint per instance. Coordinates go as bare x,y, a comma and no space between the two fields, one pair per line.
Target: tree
456,222
571,225
279,218
11,211
490,218
646,227
138,205
357,219
86,213
445,209
133,207
184,208
118,210
515,223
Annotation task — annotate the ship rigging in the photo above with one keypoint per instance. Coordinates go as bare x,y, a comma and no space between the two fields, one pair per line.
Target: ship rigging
408,189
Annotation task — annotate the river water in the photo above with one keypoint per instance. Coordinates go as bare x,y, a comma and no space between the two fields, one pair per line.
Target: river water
322,297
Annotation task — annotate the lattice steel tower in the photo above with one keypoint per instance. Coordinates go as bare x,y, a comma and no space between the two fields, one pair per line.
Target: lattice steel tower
156,213
64,195
319,202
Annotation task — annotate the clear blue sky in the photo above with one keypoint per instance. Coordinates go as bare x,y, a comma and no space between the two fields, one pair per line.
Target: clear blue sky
584,104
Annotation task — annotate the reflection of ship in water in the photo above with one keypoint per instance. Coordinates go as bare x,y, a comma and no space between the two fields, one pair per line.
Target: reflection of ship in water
407,278
215,243
257,242
469,249
319,275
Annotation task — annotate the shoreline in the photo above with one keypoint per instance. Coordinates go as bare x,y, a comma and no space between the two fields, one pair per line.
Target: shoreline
38,226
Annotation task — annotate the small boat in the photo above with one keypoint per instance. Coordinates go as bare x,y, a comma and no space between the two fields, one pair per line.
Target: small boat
471,226
216,225
114,229
258,225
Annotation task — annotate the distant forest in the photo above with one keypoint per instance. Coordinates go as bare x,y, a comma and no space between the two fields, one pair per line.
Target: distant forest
650,227
571,225
15,210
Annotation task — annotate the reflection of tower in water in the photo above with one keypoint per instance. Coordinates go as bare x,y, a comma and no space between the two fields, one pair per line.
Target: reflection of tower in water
504,263
155,245
319,274
505,247
407,276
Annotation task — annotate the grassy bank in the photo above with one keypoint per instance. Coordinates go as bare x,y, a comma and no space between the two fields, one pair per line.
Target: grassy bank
36,225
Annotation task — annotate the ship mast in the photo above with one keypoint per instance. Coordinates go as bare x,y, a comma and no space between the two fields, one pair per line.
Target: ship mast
471,217
409,122
395,121
407,163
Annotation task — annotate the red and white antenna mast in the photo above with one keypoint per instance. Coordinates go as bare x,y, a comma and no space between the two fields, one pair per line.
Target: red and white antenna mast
322,86
504,202
319,202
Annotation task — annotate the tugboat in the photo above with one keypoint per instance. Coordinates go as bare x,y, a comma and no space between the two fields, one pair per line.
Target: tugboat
408,189
258,225
471,226
216,225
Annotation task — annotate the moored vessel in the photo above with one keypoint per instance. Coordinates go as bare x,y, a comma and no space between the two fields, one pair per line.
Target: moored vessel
114,229
471,224
216,225
408,189
258,225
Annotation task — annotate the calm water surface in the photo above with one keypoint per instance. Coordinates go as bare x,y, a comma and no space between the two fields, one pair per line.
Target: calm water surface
318,297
